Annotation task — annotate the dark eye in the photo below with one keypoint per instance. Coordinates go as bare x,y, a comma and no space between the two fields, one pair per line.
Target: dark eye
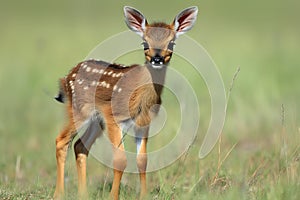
171,45
146,45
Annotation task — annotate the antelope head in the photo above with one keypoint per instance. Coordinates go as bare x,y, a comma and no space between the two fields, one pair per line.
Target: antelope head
159,38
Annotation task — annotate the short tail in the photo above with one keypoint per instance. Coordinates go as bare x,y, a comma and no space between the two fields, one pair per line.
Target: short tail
61,96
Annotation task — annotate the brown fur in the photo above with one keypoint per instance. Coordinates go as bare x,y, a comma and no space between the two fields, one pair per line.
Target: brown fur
141,87
105,96
136,83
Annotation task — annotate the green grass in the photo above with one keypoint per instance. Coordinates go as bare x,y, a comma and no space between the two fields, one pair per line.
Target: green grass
41,41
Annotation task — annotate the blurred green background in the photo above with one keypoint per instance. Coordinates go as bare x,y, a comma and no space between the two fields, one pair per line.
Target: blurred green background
41,40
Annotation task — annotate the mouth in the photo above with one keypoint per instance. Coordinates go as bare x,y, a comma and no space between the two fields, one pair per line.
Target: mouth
157,65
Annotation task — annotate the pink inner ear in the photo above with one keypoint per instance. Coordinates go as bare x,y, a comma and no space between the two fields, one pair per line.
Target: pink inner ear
135,24
183,26
135,20
184,17
185,21
137,17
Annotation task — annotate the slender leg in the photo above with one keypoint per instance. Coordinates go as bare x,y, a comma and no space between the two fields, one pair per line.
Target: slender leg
141,142
142,166
81,149
62,142
119,158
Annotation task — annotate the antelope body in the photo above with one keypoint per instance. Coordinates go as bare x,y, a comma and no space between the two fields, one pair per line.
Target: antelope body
111,98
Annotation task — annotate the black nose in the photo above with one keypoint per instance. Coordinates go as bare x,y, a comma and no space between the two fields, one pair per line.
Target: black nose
157,59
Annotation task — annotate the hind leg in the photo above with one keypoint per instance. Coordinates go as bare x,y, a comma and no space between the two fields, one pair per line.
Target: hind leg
62,143
81,149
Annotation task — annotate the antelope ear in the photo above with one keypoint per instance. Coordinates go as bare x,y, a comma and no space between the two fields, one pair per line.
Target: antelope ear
135,20
185,20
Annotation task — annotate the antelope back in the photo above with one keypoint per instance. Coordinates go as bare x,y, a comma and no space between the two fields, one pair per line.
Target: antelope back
97,85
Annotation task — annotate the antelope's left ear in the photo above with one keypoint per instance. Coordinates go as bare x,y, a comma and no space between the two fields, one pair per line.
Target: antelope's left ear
135,20
185,20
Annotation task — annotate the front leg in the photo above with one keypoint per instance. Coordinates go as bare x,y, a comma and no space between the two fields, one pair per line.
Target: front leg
119,158
141,143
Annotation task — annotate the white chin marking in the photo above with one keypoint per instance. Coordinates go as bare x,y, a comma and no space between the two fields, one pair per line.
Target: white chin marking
157,66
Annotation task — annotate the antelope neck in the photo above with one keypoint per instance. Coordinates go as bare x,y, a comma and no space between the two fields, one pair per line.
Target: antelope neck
158,76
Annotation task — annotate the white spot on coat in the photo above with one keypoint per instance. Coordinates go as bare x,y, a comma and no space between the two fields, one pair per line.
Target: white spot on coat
93,83
103,83
80,81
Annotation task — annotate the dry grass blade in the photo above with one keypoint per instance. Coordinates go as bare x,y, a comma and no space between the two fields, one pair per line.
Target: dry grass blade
284,143
232,83
254,174
18,169
220,162
215,178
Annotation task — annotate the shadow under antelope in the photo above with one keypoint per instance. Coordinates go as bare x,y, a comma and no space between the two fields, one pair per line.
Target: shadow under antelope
112,98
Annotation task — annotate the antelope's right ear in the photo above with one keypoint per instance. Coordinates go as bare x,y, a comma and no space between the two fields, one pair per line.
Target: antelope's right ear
135,20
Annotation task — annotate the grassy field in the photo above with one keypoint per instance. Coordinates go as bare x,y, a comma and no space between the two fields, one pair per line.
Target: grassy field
258,156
